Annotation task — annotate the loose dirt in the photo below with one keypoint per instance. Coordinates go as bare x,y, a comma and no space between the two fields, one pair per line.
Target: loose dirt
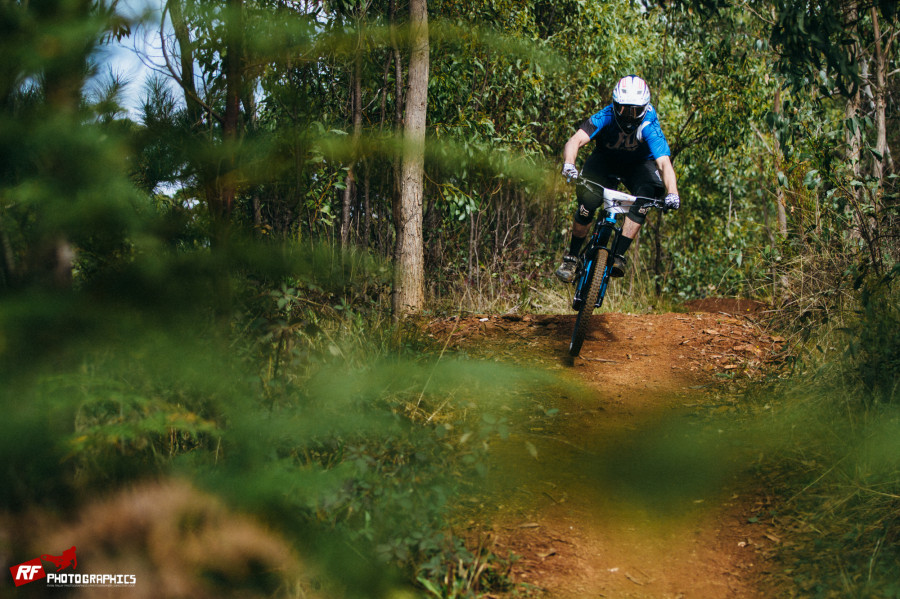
561,504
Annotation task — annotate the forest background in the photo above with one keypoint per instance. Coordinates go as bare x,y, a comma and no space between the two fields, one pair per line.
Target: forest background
206,290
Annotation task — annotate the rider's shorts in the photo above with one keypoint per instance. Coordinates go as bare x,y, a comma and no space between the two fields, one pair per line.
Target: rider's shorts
642,178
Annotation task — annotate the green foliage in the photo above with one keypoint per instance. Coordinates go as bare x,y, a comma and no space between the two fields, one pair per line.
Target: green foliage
833,458
304,415
266,371
873,347
206,325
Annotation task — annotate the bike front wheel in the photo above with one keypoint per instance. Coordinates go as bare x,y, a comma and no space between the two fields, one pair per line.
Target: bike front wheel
590,300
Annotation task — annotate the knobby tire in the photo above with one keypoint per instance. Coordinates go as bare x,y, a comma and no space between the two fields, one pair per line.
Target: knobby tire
587,306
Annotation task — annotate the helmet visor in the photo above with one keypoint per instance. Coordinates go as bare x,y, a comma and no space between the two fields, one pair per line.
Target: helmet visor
630,113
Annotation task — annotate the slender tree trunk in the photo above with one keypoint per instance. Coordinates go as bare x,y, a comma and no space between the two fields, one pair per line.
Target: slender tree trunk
234,52
657,255
251,126
398,67
471,261
635,260
367,205
880,66
779,190
356,108
409,281
853,134
853,139
186,60
384,88
398,97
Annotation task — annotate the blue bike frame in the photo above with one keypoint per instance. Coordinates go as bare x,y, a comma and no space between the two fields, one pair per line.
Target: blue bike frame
596,259
603,230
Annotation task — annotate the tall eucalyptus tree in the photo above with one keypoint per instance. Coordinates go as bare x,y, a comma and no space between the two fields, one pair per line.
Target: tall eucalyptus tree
409,262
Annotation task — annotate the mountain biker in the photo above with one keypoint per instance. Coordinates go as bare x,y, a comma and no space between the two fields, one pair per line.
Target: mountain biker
630,146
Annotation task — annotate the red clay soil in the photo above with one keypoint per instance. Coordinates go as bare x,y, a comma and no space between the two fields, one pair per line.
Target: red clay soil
575,535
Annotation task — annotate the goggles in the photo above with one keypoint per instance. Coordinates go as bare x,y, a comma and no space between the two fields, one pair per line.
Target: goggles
630,112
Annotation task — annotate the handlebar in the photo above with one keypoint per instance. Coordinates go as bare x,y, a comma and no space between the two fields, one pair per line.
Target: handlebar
615,201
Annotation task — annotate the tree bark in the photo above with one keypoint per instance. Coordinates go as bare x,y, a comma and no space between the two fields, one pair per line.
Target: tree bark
367,206
350,191
880,66
226,184
657,254
409,280
398,97
779,190
186,60
853,133
398,67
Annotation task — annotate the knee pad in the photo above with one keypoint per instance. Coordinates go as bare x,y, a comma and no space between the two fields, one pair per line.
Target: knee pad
637,212
587,205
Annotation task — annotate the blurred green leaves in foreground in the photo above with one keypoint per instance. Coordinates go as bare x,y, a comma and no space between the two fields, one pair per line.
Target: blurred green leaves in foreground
291,400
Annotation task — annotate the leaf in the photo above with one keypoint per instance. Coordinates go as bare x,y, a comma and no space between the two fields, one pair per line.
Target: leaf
430,587
811,180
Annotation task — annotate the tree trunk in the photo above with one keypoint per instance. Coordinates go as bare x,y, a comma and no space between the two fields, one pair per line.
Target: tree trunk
409,280
657,255
207,171
356,108
398,97
779,190
853,134
635,260
398,66
367,205
186,59
880,66
224,202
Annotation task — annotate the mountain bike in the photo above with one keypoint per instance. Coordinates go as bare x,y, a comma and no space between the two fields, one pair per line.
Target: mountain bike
596,258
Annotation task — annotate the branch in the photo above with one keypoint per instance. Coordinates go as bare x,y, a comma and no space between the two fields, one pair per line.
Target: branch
762,138
174,74
769,22
890,42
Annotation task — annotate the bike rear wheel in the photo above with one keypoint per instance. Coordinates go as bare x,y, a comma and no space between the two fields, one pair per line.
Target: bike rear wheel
590,300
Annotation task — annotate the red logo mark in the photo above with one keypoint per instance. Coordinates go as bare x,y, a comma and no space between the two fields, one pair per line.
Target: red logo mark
63,561
27,572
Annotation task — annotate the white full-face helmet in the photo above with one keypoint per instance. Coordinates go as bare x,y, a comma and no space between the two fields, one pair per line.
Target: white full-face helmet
631,97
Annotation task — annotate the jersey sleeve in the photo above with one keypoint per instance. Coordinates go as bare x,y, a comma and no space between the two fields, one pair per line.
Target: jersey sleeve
593,124
651,133
588,126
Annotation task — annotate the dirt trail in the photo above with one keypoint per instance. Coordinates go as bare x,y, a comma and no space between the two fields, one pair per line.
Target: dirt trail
578,537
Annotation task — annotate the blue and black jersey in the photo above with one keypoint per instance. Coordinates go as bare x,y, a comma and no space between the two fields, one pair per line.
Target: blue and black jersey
646,143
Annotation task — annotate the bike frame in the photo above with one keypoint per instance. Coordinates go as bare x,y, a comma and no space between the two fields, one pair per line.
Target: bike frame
605,229
606,233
